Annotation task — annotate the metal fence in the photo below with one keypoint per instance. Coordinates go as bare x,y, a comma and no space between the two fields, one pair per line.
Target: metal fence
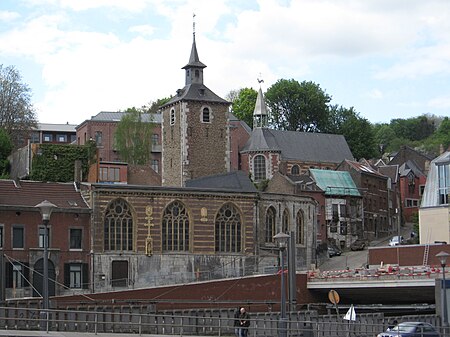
135,320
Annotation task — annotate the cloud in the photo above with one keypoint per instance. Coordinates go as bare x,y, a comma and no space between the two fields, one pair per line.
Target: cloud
375,94
145,30
7,16
440,102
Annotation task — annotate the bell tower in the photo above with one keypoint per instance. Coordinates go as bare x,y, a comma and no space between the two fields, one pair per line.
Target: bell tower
195,134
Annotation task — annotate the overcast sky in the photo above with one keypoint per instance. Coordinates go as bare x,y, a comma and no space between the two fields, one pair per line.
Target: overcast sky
386,58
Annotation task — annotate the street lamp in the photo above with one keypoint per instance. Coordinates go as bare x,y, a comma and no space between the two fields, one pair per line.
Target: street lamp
46,208
442,256
282,240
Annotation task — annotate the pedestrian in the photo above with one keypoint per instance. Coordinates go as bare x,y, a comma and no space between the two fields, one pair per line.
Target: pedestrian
244,321
237,322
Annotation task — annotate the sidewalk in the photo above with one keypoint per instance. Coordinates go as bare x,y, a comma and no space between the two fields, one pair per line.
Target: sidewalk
405,231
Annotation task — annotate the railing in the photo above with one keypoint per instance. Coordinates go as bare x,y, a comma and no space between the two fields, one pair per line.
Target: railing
371,274
193,322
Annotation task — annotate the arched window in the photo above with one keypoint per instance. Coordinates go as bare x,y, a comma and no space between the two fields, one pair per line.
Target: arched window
295,170
206,116
175,228
259,167
300,222
228,229
172,116
118,226
270,224
285,221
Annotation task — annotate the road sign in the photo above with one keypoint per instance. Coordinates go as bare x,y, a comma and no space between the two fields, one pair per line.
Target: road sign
333,296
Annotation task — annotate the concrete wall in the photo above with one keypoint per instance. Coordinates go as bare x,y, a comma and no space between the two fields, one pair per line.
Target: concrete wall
434,224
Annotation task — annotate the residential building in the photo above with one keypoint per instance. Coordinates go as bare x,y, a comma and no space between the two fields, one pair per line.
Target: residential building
434,211
375,187
343,206
22,236
412,185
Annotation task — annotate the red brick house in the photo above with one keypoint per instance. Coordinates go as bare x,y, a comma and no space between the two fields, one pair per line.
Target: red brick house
412,185
22,239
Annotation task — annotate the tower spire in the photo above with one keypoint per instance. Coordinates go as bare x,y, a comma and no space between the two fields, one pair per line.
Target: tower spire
260,111
194,69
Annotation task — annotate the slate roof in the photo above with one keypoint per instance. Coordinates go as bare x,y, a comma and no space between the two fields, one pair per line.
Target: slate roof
237,181
409,166
335,182
364,168
30,193
430,197
390,171
305,146
196,92
56,127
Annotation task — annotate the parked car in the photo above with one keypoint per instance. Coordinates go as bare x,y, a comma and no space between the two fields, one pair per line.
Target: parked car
396,241
334,251
359,244
411,329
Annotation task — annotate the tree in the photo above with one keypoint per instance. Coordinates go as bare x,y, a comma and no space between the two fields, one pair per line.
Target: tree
133,136
243,105
357,131
155,105
17,116
6,147
298,106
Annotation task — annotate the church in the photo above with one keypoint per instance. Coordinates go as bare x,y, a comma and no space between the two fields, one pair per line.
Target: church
204,221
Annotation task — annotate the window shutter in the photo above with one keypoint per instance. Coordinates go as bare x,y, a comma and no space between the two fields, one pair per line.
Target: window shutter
67,275
85,275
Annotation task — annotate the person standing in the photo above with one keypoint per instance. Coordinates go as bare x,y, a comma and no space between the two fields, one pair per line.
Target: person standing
244,322
237,322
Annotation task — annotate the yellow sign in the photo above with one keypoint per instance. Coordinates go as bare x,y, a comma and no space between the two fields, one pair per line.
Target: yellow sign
333,296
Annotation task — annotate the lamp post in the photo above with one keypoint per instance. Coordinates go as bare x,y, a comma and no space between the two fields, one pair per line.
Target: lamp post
46,208
282,240
442,256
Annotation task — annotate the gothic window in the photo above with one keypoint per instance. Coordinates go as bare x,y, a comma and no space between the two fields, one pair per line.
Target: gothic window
285,221
172,116
175,228
228,229
270,224
300,222
206,115
118,226
259,167
295,170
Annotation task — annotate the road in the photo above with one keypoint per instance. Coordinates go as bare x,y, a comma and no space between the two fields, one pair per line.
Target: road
358,259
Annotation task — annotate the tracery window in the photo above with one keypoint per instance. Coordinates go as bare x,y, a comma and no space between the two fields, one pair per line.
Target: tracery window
118,226
300,222
259,167
175,228
285,221
270,224
228,229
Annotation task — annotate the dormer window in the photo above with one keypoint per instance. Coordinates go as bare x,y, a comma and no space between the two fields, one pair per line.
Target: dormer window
206,115
172,116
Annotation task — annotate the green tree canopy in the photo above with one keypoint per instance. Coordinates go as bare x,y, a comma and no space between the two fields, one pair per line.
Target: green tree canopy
358,131
6,147
298,106
17,116
133,136
243,105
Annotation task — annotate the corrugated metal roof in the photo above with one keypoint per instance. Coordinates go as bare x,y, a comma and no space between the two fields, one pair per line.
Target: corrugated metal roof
335,182
56,127
30,193
110,116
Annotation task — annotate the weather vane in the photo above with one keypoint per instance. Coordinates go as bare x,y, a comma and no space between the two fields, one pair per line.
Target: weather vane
259,79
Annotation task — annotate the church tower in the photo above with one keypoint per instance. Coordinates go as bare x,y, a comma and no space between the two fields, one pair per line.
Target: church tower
195,134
